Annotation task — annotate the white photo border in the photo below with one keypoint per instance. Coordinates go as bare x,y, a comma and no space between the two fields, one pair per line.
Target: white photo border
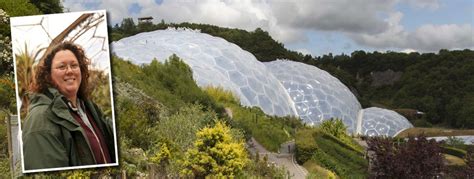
108,69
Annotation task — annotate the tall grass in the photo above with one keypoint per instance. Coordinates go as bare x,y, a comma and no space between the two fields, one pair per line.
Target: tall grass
270,131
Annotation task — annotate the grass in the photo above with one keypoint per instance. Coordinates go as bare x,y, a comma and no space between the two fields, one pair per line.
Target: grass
452,160
345,162
270,131
316,171
433,132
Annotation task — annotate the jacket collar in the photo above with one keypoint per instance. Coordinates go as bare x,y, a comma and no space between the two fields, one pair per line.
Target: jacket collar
59,108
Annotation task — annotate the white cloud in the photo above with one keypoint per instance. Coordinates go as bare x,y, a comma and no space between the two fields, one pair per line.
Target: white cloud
427,37
373,23
304,51
428,4
408,50
388,38
285,20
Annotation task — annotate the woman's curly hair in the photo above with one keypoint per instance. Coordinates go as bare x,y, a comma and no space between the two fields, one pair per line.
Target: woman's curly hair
42,77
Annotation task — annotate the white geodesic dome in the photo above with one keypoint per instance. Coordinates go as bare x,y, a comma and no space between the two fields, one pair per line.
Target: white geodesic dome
280,87
382,122
215,62
317,95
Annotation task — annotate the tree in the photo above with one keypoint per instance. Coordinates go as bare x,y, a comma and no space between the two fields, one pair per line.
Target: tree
216,153
128,27
415,158
25,71
48,6
7,86
19,7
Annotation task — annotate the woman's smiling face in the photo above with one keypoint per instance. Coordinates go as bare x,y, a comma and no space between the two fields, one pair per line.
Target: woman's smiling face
66,73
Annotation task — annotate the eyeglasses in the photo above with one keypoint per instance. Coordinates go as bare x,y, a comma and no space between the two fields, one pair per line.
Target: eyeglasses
64,67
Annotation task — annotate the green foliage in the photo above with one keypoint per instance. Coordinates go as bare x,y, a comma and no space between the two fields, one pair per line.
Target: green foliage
305,145
132,124
170,82
7,85
4,159
316,171
438,84
454,151
4,167
260,168
128,26
222,96
178,131
346,142
4,32
131,159
466,171
19,8
163,155
345,162
48,6
99,82
315,145
7,94
3,135
215,153
421,123
334,127
270,131
454,141
6,58
338,130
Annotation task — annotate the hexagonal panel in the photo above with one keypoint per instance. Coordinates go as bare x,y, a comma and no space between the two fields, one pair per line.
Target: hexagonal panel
316,91
383,122
220,63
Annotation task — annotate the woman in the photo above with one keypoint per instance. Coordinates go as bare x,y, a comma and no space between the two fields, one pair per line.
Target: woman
63,127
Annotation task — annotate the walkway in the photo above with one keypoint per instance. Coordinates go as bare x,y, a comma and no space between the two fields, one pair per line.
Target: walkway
284,158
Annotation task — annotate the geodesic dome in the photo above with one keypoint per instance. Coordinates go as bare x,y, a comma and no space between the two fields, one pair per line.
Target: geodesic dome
280,87
379,122
215,62
317,95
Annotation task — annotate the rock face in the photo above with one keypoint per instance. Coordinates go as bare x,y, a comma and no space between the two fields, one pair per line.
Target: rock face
388,77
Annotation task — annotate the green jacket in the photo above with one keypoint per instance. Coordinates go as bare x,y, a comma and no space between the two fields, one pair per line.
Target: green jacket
52,138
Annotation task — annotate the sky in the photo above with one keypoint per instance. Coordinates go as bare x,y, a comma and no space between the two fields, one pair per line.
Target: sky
317,27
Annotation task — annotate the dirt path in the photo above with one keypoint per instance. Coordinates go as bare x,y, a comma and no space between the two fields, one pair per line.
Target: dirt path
284,158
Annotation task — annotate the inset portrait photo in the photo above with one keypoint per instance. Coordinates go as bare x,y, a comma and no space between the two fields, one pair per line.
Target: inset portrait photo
64,91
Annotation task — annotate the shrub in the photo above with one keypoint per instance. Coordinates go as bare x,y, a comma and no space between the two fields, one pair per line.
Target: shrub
305,145
415,158
454,151
337,129
454,141
339,157
422,123
260,168
216,153
334,127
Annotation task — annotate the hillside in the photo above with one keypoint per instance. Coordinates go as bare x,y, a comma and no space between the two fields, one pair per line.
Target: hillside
438,84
